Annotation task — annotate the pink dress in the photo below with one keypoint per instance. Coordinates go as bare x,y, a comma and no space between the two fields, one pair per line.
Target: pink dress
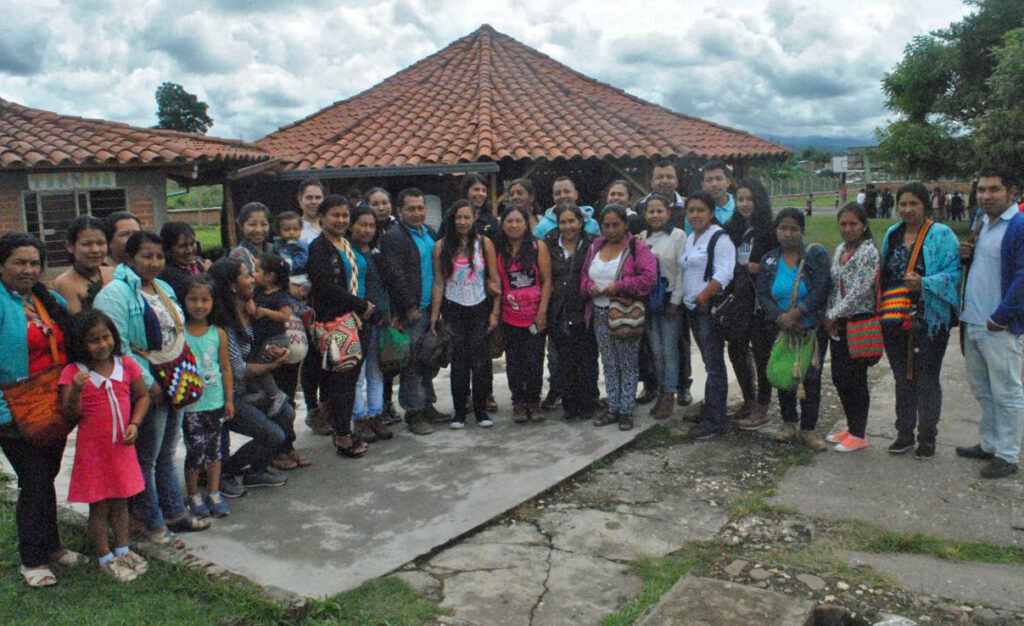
104,467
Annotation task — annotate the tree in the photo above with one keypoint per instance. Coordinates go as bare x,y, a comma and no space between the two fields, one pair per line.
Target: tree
942,94
1000,135
177,109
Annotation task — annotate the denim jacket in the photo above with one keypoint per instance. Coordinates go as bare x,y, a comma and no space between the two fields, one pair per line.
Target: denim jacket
14,339
815,276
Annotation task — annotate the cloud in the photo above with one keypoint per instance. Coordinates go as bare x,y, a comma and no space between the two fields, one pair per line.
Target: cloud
22,45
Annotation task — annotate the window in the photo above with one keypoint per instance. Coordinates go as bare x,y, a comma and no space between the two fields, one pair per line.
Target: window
48,213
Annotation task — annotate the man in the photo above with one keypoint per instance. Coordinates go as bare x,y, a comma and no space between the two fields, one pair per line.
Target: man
992,323
120,226
564,192
311,194
665,180
715,180
407,249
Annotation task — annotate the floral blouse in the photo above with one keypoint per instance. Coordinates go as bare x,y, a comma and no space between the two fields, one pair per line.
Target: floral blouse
853,283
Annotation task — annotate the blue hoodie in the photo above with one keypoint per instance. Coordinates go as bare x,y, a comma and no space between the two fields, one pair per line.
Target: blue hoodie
549,222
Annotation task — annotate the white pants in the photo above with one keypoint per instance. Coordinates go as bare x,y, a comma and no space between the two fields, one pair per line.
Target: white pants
993,362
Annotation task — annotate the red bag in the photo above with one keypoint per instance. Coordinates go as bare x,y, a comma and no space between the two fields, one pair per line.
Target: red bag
338,342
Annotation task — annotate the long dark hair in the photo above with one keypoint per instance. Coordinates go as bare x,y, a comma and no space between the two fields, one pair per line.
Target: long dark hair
270,262
450,244
80,324
918,190
20,239
760,220
224,273
527,255
856,210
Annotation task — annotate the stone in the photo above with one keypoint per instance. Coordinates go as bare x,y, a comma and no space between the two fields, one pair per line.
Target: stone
993,585
521,533
813,582
759,574
986,617
888,619
504,597
694,600
467,557
424,584
841,586
736,567
583,589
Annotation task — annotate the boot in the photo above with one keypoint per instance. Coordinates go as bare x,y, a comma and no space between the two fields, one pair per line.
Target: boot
788,433
365,430
743,412
663,409
380,427
813,440
317,422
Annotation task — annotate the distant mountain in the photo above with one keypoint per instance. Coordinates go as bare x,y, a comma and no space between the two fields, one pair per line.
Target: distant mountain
837,145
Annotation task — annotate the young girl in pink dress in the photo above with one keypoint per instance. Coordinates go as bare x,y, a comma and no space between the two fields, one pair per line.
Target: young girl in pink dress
105,394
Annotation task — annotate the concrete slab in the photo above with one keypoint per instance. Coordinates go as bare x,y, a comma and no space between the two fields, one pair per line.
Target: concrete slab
697,601
582,589
989,584
944,497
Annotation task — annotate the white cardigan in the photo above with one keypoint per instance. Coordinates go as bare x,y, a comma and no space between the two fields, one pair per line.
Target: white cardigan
667,248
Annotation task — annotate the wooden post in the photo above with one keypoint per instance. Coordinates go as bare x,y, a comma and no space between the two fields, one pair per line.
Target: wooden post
493,191
228,235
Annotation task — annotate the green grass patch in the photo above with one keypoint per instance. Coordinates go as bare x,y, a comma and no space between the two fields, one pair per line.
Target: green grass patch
870,538
658,577
822,229
659,433
195,198
380,602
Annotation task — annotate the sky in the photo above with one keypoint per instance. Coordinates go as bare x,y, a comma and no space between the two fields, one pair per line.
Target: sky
781,67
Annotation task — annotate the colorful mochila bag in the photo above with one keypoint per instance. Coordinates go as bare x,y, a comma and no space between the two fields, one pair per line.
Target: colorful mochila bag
179,377
864,332
896,304
338,342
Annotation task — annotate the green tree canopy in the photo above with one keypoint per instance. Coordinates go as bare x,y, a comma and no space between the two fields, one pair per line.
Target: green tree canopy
952,96
177,109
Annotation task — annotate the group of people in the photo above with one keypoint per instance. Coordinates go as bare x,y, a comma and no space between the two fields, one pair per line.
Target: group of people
628,286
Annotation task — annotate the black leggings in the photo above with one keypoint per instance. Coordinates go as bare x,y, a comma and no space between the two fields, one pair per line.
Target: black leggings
524,363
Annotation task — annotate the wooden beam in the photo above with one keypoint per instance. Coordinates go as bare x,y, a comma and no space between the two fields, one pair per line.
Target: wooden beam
641,189
493,191
252,170
229,236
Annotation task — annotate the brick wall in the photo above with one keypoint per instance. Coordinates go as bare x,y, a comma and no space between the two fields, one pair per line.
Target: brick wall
11,213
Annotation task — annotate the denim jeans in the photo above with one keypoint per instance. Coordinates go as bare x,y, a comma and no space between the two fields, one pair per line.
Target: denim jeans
716,387
416,391
620,358
470,354
663,338
369,400
918,398
161,500
993,363
36,512
269,436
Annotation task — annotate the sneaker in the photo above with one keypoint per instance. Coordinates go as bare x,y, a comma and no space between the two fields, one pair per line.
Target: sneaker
974,452
457,424
218,507
789,432
436,417
264,479
662,409
755,421
231,488
850,444
312,417
551,400
418,425
813,440
924,451
119,570
519,414
701,432
838,437
492,405
684,398
391,416
998,468
901,445
197,507
485,422
136,562
533,412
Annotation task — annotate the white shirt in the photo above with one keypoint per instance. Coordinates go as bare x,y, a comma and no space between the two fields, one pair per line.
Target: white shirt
984,289
668,247
310,231
694,260
603,274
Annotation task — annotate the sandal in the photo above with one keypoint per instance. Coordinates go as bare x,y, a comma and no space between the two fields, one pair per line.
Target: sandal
284,462
355,448
300,460
165,538
70,558
38,577
608,417
188,524
626,422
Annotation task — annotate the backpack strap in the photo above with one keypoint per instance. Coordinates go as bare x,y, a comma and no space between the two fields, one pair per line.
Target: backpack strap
709,269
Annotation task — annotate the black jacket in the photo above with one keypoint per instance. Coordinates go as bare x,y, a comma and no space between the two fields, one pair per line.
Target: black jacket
401,267
329,293
567,305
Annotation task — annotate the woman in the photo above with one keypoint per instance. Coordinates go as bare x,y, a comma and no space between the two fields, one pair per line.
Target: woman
150,322
333,271
87,245
465,270
616,267
568,246
854,290
915,348
619,192
775,280
368,409
30,315
182,252
708,265
522,193
753,234
524,268
474,189
667,245
379,201
271,435
253,234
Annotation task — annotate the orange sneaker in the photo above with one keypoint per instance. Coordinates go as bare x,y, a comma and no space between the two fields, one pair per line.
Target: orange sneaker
838,437
850,444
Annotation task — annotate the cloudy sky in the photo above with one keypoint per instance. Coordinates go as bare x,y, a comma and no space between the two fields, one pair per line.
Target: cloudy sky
787,67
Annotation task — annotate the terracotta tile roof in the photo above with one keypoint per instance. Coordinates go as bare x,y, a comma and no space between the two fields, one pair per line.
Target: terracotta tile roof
32,138
489,97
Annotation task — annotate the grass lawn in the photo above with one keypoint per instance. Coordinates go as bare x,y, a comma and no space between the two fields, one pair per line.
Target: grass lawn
822,229
176,594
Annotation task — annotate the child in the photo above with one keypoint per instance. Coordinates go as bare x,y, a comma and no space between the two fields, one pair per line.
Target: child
202,421
105,394
294,251
271,309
